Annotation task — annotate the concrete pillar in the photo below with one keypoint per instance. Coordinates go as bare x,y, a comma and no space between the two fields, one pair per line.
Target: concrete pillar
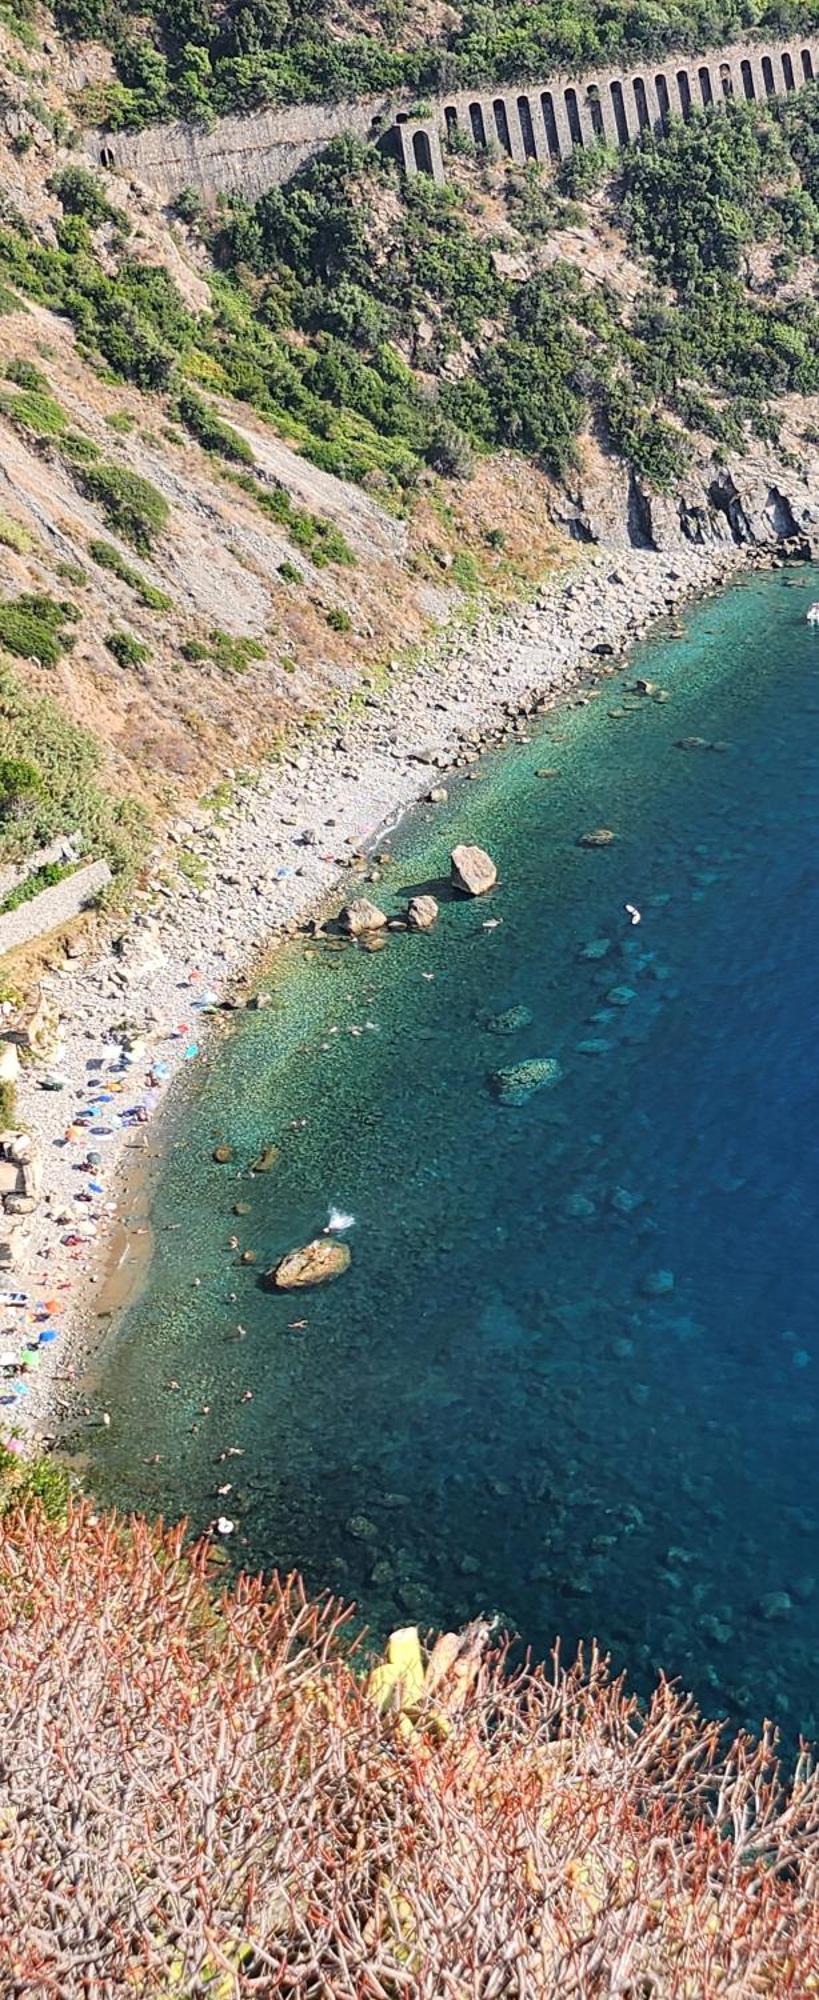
630,108
519,153
610,133
652,100
564,137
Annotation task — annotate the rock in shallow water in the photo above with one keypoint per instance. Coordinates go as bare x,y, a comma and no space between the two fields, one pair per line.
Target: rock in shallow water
422,913
314,1264
361,917
509,1022
472,871
517,1083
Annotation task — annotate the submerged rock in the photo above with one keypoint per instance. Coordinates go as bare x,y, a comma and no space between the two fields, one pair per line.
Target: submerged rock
266,1160
509,1022
519,1082
361,917
222,1155
472,871
314,1263
422,913
774,1606
600,836
656,1283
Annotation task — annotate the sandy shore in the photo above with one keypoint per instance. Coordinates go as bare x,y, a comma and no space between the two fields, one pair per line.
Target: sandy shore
262,866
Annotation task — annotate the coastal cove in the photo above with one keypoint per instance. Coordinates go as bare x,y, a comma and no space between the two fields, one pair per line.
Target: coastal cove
569,1375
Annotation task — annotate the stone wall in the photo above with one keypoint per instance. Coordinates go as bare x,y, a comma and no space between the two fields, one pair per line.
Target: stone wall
52,906
15,872
534,121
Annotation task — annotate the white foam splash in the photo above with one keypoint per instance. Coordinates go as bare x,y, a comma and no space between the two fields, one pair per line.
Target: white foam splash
337,1222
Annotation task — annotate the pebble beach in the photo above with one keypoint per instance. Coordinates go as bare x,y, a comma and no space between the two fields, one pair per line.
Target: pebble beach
138,1013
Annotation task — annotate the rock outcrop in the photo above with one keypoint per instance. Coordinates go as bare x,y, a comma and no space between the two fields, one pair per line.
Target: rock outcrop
316,1263
517,1083
361,917
422,913
472,871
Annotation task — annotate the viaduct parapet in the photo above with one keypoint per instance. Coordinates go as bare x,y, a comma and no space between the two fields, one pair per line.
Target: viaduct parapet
533,121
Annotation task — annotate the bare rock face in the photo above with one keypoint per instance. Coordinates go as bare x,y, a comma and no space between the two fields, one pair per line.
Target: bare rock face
472,871
422,913
315,1264
361,917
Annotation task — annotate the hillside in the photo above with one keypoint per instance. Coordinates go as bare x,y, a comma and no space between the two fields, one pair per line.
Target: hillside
252,456
185,59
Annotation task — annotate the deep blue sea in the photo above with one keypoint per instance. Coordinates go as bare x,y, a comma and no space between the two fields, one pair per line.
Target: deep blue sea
504,1406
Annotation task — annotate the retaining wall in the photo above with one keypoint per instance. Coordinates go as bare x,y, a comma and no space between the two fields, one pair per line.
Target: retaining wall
533,121
52,906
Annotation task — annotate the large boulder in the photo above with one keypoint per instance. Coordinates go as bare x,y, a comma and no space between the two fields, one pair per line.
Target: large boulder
517,1083
361,917
422,913
315,1263
472,871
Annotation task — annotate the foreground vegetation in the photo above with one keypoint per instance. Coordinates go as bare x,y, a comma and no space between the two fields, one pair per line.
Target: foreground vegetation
198,60
204,1795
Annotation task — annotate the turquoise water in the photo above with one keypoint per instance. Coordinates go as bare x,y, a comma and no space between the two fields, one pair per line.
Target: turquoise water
499,1408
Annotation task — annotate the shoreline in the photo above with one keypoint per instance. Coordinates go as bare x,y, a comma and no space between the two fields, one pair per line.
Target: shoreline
267,867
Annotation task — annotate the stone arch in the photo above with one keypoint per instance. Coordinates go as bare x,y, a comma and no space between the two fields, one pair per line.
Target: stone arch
422,152
787,71
451,122
747,75
706,86
573,115
726,79
641,101
684,92
502,124
595,111
807,65
550,124
663,97
618,106
478,127
768,76
106,156
527,129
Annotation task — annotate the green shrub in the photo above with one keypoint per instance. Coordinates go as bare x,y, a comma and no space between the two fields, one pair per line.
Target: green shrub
24,374
210,430
45,877
146,593
126,649
14,536
8,1122
79,193
234,655
289,572
31,1481
338,619
34,412
19,779
68,759
131,505
121,421
72,573
32,626
78,449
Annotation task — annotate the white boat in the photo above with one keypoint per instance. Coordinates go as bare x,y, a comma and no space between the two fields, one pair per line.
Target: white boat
813,614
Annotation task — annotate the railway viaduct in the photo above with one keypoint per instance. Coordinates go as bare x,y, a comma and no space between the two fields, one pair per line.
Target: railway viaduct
529,121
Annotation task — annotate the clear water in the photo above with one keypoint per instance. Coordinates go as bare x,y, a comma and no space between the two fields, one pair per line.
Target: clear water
490,1411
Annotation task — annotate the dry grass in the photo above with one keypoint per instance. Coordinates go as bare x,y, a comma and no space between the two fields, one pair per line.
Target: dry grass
203,1797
